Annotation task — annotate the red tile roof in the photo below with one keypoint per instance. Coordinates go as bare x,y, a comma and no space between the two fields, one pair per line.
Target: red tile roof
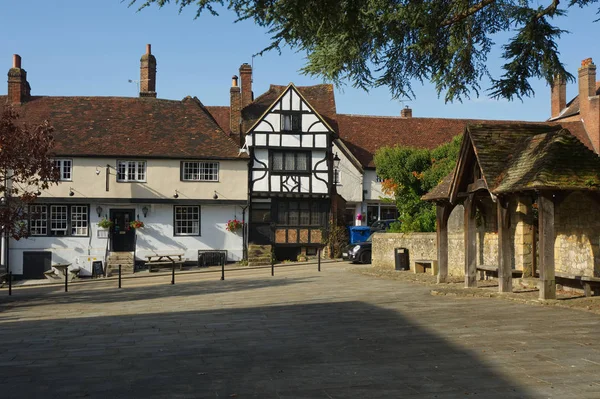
221,115
130,127
364,135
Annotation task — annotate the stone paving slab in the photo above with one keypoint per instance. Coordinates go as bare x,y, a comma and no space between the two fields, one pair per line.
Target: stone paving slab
300,334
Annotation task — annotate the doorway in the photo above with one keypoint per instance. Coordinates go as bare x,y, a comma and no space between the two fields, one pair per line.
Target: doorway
122,236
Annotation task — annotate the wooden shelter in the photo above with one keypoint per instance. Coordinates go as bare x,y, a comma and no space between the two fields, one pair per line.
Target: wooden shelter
500,165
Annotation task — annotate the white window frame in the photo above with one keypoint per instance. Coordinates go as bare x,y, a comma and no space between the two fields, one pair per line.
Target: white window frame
133,171
59,214
79,220
39,225
378,179
65,168
200,171
178,228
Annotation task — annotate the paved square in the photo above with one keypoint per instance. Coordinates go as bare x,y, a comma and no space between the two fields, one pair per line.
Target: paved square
300,334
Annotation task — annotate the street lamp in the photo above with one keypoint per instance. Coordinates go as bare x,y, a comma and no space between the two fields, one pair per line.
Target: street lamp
336,161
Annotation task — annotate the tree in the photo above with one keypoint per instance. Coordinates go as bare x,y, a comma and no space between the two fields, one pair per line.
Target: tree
408,174
25,169
393,42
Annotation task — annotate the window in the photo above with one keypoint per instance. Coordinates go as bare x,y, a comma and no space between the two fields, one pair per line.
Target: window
337,177
187,220
79,220
38,220
58,220
291,122
131,171
301,213
283,161
64,167
199,171
378,179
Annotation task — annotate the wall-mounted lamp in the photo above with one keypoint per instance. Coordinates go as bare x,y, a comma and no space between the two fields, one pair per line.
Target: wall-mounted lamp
215,196
71,192
336,161
145,211
176,195
97,171
38,193
99,210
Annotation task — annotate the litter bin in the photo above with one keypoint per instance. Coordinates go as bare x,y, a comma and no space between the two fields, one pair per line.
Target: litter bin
401,257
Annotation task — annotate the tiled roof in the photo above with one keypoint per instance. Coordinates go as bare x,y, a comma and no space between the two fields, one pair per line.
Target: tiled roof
572,107
517,157
320,97
221,114
364,135
441,191
130,127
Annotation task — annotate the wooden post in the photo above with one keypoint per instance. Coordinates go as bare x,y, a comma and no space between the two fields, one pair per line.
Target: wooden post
547,283
504,247
470,243
442,214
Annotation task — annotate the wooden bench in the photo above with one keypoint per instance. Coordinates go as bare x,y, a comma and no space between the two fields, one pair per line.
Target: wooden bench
157,260
486,270
51,274
587,282
74,273
420,265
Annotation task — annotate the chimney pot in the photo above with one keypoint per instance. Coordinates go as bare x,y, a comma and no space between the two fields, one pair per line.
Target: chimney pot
16,61
406,112
148,49
234,81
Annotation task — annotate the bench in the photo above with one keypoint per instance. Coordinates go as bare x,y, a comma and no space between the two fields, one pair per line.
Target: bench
587,282
157,265
420,265
74,273
486,270
51,274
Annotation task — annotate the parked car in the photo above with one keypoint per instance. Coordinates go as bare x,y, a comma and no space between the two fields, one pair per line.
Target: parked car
360,252
382,225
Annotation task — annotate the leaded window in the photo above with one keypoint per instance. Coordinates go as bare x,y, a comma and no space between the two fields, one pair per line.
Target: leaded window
301,213
291,122
200,171
288,161
131,171
38,220
187,220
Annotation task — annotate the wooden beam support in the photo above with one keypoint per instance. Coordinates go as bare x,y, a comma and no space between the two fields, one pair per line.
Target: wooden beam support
443,211
547,283
504,247
470,242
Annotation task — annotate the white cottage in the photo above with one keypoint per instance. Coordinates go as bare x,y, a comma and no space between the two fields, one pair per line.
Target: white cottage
165,163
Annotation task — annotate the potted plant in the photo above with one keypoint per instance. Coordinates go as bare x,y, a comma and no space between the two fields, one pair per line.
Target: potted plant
105,223
234,225
136,224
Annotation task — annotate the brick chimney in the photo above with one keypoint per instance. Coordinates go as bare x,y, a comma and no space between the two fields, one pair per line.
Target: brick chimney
558,96
589,102
246,75
235,107
148,74
18,87
406,112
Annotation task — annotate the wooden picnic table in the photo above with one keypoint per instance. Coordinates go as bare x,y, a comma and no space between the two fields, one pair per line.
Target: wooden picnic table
158,260
62,268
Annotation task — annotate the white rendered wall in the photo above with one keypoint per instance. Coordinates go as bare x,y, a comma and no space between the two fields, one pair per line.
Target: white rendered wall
156,237
374,192
351,179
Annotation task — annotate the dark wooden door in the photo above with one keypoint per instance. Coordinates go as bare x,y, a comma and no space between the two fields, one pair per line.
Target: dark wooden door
36,263
122,236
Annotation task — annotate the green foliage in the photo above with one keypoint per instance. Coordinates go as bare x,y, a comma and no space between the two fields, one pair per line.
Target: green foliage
393,42
413,172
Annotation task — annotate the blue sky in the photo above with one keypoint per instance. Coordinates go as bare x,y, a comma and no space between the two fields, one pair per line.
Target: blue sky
93,47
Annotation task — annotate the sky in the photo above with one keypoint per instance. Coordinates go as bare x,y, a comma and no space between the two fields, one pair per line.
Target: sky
93,47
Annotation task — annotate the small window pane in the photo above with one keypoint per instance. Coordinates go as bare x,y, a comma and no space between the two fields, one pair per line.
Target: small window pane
302,162
278,161
290,163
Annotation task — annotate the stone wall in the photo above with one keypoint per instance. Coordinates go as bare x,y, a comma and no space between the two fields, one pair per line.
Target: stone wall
420,246
577,229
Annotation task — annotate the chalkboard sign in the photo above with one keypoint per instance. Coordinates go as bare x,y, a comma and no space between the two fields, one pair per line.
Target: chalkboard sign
97,270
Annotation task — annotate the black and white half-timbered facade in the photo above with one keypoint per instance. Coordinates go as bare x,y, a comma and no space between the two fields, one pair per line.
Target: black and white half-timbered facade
290,148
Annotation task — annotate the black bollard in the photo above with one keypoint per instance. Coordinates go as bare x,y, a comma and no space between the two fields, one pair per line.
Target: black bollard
222,267
119,276
173,274
67,279
272,265
9,283
319,259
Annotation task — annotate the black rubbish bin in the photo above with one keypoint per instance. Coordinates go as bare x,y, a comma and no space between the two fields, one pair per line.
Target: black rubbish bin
401,257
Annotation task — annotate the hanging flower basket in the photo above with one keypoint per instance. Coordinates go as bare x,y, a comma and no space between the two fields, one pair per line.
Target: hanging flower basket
136,224
234,225
105,223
